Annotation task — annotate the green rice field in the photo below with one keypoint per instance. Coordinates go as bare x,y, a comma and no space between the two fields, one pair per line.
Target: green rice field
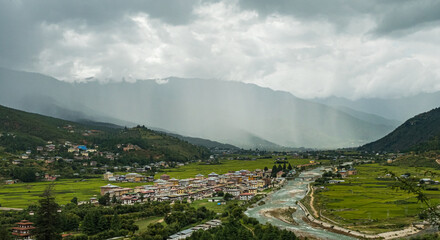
21,195
366,203
192,169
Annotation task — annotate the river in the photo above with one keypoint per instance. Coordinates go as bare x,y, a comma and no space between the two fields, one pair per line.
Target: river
287,196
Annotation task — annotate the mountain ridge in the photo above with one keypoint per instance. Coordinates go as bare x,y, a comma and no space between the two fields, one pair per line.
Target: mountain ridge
421,132
21,131
223,111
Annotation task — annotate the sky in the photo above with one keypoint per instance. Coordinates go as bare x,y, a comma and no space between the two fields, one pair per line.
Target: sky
314,48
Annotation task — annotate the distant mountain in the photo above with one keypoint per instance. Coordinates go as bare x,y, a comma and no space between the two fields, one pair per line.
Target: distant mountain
21,131
204,142
240,114
399,109
421,132
368,117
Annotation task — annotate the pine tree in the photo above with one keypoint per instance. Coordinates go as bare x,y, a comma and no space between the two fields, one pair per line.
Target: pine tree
104,200
115,223
47,217
90,222
284,166
103,224
290,167
5,234
274,170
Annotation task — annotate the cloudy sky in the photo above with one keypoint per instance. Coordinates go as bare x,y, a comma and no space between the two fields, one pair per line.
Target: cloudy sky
313,48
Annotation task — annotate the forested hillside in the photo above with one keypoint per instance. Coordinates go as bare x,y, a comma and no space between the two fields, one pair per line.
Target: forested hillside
21,131
419,133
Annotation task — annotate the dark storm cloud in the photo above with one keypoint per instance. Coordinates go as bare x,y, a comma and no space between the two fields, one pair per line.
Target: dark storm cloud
392,17
408,16
310,48
21,38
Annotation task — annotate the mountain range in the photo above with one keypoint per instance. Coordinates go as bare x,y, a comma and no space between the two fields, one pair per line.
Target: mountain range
244,115
397,109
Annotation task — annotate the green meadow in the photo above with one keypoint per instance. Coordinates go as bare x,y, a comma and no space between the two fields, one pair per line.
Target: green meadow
143,223
213,206
368,203
21,195
192,169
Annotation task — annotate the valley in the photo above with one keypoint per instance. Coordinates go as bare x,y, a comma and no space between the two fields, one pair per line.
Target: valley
219,120
90,165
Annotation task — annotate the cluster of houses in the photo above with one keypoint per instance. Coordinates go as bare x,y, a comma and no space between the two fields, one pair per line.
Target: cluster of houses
188,232
129,177
346,169
242,185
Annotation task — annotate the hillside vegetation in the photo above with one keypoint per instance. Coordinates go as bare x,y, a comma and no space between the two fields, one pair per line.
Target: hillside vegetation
420,133
21,131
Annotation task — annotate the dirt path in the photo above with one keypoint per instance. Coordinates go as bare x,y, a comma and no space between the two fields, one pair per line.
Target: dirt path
312,201
10,209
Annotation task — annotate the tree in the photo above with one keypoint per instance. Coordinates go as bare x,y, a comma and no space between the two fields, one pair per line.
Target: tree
90,223
265,169
115,223
290,167
274,171
69,221
114,199
228,196
25,174
103,224
104,200
284,166
47,218
74,200
5,234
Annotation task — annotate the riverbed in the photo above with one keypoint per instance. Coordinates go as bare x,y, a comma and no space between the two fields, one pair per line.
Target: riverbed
287,196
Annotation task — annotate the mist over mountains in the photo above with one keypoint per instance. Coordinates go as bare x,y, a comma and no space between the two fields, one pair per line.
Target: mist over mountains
399,109
244,115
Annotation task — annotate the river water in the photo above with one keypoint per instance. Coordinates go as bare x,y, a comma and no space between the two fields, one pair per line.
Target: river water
287,196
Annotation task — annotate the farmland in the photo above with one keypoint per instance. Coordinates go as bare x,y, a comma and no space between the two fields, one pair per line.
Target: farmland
192,169
368,203
21,195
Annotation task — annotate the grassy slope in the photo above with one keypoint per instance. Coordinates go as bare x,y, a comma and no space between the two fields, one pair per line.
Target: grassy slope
365,203
143,223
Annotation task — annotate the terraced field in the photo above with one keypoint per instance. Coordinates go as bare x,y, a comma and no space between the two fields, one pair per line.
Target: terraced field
190,170
21,195
367,202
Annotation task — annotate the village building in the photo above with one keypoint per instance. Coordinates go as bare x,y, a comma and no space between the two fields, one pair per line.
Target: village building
23,230
108,175
107,188
165,177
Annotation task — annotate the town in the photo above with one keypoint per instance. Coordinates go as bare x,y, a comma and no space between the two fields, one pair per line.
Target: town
241,185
